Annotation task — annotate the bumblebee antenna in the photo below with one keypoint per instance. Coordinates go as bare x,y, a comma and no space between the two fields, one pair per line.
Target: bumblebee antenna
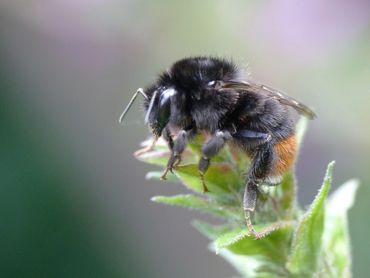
139,91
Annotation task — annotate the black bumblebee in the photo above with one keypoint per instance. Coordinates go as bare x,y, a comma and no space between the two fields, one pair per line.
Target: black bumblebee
206,94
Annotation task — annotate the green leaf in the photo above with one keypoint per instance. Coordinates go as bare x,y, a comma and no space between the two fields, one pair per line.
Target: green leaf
253,266
342,199
161,153
273,247
156,157
307,239
318,243
301,130
156,175
219,178
336,235
197,203
231,238
246,266
195,144
210,231
288,199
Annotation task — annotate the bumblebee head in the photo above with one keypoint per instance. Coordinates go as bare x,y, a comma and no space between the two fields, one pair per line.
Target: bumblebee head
188,77
199,73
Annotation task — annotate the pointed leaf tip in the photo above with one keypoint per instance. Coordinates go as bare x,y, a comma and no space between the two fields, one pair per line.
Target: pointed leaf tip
336,239
301,129
156,175
230,238
343,198
209,230
197,203
307,239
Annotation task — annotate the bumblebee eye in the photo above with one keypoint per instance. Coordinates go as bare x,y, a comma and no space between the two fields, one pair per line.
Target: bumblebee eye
214,84
211,83
166,95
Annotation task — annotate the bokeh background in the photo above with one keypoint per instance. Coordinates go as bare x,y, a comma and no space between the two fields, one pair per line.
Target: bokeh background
73,200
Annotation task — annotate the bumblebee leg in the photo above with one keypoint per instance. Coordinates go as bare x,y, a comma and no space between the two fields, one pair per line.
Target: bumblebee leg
250,196
261,165
168,138
210,149
202,167
147,148
265,231
178,147
166,134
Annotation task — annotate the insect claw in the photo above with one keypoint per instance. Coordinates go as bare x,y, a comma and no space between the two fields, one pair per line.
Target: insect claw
165,172
141,151
147,148
251,230
178,161
164,175
267,230
172,163
205,188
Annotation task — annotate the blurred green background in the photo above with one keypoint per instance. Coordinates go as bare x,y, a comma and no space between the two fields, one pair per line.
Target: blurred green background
74,202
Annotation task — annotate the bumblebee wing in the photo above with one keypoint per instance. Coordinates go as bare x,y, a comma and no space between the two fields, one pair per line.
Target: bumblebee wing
270,92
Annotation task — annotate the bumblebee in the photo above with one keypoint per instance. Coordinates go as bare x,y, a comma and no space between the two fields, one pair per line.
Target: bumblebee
209,95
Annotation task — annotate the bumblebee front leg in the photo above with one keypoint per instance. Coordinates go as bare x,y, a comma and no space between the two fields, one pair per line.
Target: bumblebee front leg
209,149
177,147
166,134
147,148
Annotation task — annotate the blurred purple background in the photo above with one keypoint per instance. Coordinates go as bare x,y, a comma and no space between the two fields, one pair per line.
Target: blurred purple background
74,200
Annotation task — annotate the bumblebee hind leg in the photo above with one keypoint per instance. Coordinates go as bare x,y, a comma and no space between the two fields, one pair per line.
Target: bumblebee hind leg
269,162
262,162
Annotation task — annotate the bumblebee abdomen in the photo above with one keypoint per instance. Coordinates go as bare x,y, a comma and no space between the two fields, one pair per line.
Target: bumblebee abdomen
285,151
